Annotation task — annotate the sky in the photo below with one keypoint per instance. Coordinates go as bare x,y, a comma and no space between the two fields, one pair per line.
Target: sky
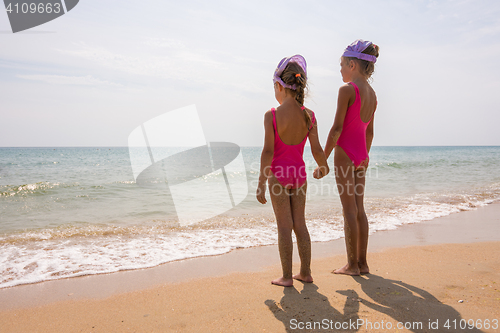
93,75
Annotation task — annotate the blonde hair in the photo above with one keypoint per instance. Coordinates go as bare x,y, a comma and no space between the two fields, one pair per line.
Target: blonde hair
366,67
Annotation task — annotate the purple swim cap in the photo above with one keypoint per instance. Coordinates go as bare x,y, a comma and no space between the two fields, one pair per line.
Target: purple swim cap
298,59
354,50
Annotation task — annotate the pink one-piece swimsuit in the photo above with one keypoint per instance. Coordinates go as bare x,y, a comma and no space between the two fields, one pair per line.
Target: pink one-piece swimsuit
353,137
288,164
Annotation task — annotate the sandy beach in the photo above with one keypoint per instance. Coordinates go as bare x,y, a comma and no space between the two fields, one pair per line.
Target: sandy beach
437,276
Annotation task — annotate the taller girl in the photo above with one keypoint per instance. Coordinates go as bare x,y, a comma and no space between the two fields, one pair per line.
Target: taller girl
351,136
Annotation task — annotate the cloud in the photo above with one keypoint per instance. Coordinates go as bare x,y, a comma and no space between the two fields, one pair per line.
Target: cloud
179,65
172,60
164,43
70,80
322,72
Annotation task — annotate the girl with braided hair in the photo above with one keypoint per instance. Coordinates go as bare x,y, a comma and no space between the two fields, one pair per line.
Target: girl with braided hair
286,131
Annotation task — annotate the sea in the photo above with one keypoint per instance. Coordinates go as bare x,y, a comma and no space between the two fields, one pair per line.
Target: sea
67,212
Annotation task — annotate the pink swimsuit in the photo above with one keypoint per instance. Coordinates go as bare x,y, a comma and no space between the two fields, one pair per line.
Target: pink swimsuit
288,165
353,137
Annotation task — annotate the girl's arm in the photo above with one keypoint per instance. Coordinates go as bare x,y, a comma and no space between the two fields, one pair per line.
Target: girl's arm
318,153
346,98
266,157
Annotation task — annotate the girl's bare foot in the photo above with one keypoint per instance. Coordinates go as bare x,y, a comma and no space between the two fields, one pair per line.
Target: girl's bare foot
347,270
283,282
306,279
363,268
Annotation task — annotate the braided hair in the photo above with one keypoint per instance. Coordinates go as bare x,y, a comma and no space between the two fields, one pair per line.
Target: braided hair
293,74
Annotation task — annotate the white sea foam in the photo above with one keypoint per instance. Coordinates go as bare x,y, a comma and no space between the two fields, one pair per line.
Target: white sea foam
44,255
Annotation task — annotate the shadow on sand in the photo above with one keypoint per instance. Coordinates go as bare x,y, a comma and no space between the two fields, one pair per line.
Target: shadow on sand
308,310
412,308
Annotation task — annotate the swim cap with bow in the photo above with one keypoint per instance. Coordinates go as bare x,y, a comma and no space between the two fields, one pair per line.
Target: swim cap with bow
298,59
356,48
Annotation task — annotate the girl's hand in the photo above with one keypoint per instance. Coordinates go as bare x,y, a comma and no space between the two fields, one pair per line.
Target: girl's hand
320,172
261,193
317,173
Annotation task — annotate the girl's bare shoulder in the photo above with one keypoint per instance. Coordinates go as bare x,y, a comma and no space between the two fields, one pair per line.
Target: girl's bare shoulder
347,86
347,89
268,116
309,111
270,111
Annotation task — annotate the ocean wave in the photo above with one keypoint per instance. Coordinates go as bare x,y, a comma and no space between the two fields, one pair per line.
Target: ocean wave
69,251
53,260
39,188
44,188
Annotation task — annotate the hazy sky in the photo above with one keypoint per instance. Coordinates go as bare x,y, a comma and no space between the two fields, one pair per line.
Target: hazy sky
90,77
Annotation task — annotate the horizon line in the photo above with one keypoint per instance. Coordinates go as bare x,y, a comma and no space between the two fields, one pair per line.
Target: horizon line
413,146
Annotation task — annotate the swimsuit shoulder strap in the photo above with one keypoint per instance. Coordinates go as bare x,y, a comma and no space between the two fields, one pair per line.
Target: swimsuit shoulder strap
355,87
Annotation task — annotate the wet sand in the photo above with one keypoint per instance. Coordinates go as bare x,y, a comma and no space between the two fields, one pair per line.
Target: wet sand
419,274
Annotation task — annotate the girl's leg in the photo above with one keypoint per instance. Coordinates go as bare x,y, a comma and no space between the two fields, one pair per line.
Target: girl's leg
362,222
298,203
344,174
280,199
